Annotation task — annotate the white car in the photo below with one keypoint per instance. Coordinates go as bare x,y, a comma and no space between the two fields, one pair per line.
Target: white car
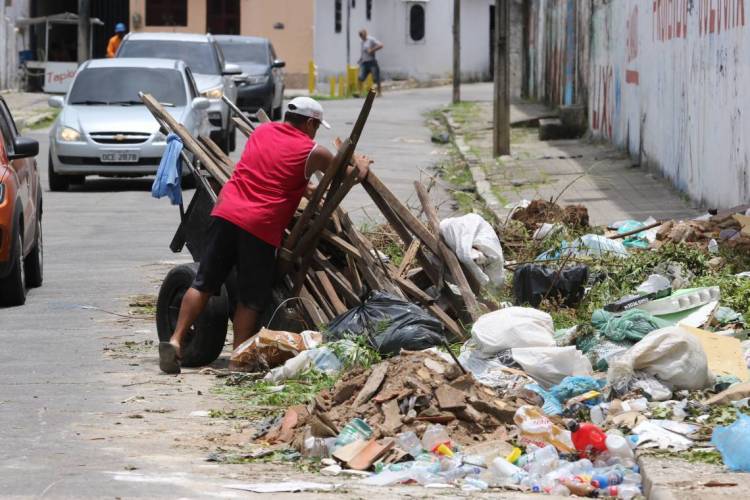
104,128
214,76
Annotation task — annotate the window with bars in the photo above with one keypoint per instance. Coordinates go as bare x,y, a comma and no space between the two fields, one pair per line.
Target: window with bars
166,12
337,16
368,9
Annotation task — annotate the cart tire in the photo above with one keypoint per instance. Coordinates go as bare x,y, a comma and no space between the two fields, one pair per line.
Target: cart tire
206,338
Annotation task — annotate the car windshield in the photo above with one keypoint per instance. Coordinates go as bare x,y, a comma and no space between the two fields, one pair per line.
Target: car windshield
199,56
121,86
245,52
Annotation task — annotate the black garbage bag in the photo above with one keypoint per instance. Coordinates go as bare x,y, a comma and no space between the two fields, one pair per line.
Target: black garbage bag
532,282
389,323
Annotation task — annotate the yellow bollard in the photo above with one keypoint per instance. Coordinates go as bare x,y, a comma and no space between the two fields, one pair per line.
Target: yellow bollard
368,83
351,74
311,77
342,86
332,81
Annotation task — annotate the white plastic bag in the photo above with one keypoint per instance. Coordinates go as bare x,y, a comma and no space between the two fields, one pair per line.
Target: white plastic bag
320,358
672,355
513,327
476,246
550,365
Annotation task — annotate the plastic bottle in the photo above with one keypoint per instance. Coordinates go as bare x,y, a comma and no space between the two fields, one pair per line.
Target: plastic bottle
504,471
587,438
355,429
436,440
612,478
560,490
409,442
474,484
619,447
460,472
547,453
579,488
623,491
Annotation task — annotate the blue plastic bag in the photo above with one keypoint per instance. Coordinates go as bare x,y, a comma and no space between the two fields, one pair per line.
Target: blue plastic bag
733,442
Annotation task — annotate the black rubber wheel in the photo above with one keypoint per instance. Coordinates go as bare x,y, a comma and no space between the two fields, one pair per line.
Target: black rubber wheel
232,139
276,114
34,262
13,286
57,182
206,337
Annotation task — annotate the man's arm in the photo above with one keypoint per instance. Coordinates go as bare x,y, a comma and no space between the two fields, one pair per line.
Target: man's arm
321,160
378,45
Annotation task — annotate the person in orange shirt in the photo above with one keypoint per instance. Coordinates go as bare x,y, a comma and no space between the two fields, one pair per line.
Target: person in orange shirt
114,42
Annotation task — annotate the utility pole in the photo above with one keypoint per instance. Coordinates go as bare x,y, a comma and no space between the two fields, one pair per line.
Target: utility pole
501,118
456,51
84,30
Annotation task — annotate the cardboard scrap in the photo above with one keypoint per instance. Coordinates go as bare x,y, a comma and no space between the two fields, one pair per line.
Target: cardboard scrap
267,349
734,393
724,354
369,454
351,450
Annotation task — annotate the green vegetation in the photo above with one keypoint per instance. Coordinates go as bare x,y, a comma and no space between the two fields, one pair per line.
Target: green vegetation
293,392
47,121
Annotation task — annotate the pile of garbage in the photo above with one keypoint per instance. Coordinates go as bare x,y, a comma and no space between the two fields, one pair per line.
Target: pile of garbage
521,404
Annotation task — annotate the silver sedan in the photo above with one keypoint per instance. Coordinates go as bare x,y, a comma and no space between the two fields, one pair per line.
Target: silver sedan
104,129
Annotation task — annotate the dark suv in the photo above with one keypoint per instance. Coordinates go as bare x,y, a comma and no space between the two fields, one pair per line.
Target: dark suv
261,84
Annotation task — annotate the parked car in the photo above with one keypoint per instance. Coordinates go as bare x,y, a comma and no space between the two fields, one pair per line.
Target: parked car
21,249
104,128
261,84
212,74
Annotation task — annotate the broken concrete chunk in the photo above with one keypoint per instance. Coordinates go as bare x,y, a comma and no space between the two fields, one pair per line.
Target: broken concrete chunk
392,416
450,399
434,366
349,451
373,383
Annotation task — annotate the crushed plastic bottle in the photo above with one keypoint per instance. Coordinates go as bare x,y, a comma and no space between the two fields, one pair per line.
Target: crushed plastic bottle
619,447
410,443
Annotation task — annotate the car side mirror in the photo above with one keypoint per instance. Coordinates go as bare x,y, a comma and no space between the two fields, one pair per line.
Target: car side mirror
231,69
56,101
278,63
200,103
24,147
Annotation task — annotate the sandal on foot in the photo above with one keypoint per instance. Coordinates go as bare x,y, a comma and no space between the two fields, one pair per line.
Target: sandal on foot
169,362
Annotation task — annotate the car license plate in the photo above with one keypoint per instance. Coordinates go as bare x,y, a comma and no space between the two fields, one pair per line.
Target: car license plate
119,157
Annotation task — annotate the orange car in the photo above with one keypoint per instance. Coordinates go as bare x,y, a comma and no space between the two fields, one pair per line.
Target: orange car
20,213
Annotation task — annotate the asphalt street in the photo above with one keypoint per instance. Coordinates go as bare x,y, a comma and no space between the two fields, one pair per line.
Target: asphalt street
102,241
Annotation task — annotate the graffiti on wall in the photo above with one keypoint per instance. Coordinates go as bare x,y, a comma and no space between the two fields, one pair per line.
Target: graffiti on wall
631,75
670,19
715,16
602,100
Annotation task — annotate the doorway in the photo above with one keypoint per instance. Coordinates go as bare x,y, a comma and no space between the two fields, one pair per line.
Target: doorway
223,17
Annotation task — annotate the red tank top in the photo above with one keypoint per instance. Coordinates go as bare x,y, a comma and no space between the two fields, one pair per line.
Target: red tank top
268,182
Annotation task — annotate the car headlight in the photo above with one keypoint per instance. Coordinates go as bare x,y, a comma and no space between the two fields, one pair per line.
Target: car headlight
214,93
257,80
67,134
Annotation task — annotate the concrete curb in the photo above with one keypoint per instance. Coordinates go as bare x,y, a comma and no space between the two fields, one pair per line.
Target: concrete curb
483,186
652,490
32,120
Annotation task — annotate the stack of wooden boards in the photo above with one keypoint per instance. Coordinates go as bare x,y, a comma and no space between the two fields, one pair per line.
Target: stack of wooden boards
327,262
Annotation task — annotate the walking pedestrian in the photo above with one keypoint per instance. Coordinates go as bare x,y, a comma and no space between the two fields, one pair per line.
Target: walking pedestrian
114,42
253,209
368,64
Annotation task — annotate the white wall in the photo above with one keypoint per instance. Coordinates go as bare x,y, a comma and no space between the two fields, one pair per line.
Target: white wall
401,57
677,102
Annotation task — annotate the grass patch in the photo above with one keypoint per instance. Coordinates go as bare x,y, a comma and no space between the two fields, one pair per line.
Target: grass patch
47,121
292,392
143,305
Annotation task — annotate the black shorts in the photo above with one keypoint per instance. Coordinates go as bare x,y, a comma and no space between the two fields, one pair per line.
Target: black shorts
227,246
367,68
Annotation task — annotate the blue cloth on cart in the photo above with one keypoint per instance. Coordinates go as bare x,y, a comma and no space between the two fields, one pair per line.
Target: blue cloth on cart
169,174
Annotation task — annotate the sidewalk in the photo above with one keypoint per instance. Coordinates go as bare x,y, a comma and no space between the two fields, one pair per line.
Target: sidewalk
27,108
578,171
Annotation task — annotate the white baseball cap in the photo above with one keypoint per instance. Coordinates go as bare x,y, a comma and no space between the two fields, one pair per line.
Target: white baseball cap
306,106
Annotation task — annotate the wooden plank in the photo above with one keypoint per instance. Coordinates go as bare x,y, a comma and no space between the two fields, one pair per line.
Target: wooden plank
341,244
339,280
187,140
242,127
409,255
238,113
409,220
320,299
224,161
330,292
454,266
356,280
262,116
313,312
